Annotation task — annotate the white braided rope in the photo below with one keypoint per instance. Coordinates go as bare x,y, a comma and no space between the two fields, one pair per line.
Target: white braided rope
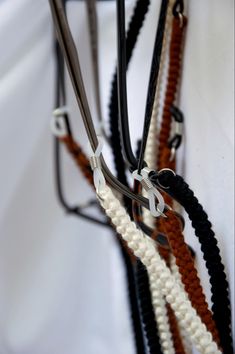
144,248
150,157
175,272
160,311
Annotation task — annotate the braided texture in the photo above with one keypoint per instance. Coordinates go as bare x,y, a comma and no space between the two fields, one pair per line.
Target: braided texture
148,316
180,190
175,271
161,323
165,323
144,248
160,309
135,25
176,43
176,335
82,162
150,158
151,144
178,344
172,228
79,157
133,299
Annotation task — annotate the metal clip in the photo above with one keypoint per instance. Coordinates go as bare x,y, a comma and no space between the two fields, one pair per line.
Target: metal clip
57,123
152,192
98,177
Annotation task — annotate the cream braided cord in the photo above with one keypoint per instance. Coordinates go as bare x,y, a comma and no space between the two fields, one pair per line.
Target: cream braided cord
158,301
175,272
144,248
150,155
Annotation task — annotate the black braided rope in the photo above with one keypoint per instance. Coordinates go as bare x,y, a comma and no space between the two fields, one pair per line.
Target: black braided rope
133,300
147,312
221,308
135,25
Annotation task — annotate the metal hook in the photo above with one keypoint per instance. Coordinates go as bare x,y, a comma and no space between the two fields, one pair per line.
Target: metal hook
178,8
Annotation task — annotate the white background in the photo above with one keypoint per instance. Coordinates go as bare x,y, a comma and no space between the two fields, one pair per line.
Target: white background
62,285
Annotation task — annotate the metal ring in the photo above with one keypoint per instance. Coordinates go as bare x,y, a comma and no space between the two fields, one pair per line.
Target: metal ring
161,171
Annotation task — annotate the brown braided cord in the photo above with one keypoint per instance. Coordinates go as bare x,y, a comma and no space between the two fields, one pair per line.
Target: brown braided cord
171,90
171,227
79,157
176,44
188,272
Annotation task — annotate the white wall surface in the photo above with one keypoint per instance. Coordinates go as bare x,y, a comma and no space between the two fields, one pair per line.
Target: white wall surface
62,285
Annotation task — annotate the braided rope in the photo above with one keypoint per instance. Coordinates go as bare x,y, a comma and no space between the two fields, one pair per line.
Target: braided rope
159,274
163,327
221,307
150,157
188,272
151,145
172,228
175,272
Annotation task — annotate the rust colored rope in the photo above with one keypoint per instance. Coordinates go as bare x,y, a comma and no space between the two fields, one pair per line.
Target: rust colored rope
189,277
79,157
171,90
176,45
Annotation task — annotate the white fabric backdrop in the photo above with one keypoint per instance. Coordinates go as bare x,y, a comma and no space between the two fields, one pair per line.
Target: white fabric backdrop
62,287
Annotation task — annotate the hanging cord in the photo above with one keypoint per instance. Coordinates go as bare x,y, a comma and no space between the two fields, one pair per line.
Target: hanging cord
60,125
171,228
83,163
135,25
179,190
151,144
177,37
151,329
150,158
134,28
144,248
185,342
153,79
94,41
156,302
